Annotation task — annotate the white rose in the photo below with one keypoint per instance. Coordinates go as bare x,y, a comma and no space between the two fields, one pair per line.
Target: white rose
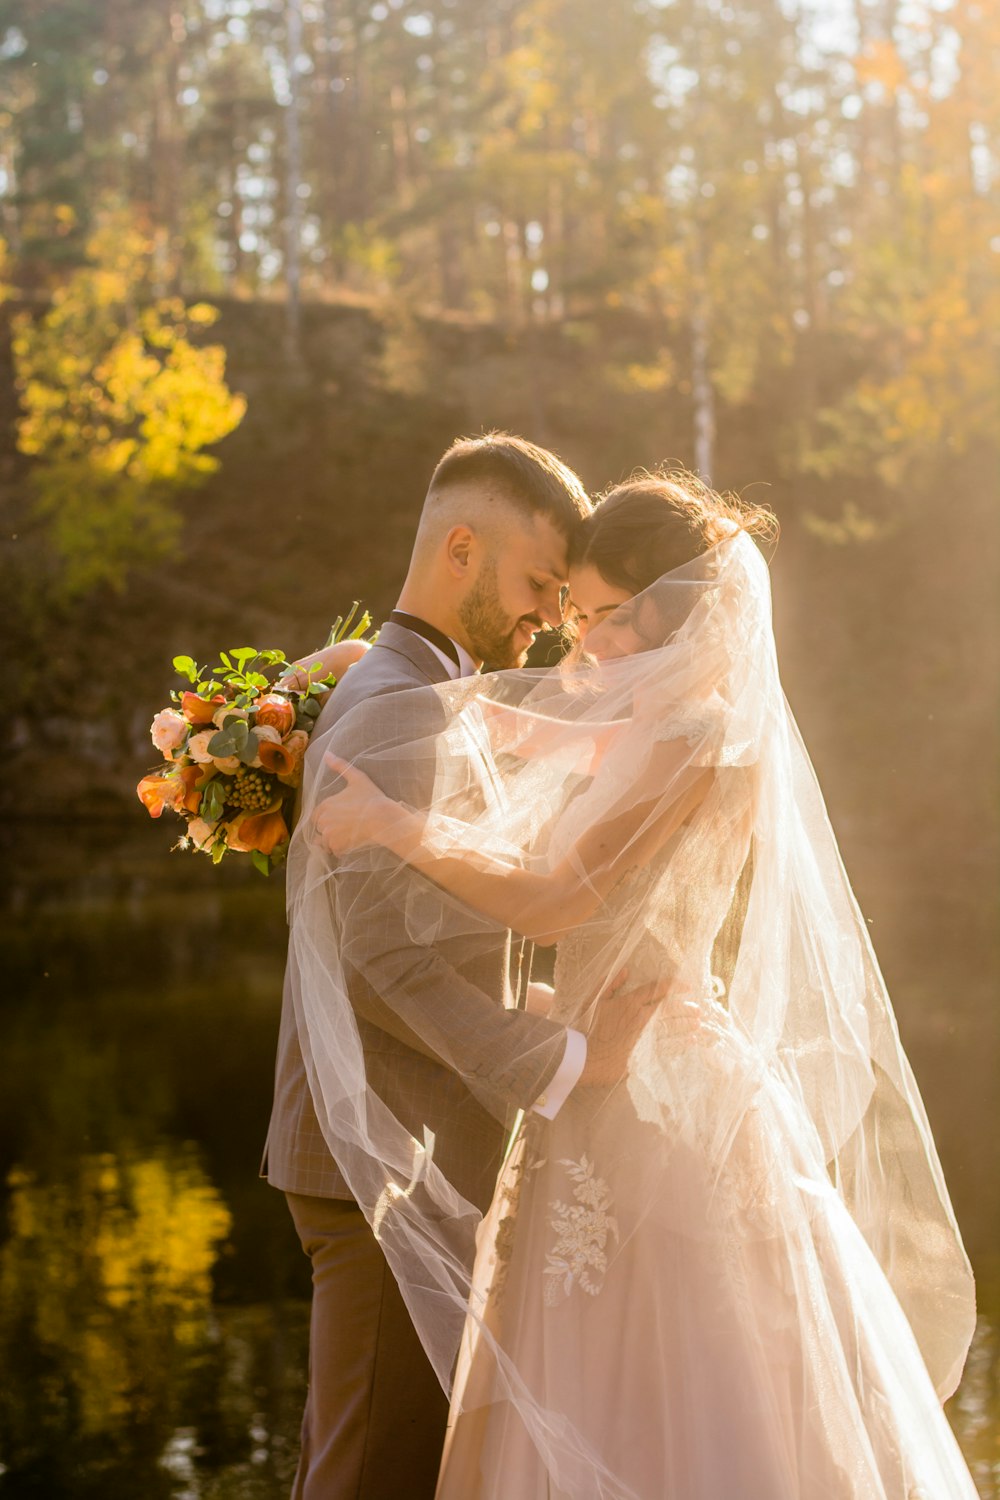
227,711
198,746
227,764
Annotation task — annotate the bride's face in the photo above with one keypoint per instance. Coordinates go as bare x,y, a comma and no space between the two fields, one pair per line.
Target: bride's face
603,615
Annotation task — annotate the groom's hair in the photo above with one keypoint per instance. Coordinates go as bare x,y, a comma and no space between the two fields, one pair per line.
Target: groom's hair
530,478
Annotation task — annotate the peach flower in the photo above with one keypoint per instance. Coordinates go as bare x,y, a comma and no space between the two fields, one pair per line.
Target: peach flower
200,710
200,833
167,731
275,757
194,780
295,744
159,790
276,712
263,830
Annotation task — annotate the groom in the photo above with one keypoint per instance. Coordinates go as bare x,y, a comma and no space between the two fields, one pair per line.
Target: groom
488,566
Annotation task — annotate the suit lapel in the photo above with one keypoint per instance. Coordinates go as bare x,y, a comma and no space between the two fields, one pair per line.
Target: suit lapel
414,649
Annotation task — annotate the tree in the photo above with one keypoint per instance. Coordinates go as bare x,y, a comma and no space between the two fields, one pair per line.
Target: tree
118,406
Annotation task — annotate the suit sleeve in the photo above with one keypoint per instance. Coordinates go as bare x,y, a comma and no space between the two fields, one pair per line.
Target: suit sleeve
411,989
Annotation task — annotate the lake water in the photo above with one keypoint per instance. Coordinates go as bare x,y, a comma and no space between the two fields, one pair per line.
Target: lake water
153,1296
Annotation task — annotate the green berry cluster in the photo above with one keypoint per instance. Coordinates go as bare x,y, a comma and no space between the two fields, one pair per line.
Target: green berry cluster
250,791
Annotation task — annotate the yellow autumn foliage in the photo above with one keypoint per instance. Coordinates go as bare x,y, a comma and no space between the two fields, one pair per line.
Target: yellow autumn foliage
110,1274
118,406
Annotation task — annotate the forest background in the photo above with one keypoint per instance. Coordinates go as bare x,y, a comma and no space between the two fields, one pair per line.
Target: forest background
263,260
761,238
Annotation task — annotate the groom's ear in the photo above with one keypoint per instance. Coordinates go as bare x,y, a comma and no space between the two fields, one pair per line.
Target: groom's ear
460,551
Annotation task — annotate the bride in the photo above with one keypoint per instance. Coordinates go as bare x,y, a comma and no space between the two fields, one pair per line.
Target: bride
728,1270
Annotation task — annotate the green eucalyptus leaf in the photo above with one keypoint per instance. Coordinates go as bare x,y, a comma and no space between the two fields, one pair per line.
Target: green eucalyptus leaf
248,751
260,861
223,743
218,850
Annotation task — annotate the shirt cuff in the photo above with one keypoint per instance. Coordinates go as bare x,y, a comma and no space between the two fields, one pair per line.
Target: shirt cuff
565,1079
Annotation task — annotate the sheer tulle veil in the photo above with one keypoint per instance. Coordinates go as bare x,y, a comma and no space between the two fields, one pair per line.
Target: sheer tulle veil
763,902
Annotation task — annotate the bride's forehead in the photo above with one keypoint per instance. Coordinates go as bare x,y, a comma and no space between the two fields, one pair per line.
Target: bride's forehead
590,592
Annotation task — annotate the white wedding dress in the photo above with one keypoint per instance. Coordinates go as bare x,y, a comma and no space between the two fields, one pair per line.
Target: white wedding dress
669,1268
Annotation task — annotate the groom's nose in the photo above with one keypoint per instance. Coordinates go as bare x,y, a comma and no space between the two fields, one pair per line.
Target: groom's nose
550,610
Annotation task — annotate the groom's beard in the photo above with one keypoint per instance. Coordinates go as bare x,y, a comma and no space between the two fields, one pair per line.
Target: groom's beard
495,638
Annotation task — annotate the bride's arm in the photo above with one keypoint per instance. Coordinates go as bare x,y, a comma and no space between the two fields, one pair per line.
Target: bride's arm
332,661
543,905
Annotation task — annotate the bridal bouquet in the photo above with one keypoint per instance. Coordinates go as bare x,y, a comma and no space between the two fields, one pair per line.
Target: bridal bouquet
233,746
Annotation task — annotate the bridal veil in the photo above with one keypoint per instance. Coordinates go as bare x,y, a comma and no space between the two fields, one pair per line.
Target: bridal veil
669,800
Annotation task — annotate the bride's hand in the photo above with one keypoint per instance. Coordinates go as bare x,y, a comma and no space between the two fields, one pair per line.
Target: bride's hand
350,816
622,1015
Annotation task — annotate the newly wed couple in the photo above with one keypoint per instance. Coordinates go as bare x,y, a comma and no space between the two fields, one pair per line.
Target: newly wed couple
675,1226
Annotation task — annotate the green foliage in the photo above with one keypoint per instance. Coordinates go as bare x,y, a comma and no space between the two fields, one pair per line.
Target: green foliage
788,215
352,626
118,406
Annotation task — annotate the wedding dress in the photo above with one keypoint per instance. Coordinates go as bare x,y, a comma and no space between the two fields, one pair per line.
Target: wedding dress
669,1267
734,1272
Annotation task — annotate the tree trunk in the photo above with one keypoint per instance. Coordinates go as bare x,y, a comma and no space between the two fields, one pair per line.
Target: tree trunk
293,179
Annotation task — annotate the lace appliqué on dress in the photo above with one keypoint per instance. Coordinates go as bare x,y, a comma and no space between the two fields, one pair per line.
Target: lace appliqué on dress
583,1231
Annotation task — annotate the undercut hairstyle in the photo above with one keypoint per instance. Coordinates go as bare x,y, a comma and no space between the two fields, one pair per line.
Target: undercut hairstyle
654,523
530,478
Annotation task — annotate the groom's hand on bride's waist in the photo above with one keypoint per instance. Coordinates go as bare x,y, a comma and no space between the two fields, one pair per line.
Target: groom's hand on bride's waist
621,1014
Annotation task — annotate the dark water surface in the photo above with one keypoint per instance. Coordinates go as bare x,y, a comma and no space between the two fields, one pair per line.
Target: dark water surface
153,1297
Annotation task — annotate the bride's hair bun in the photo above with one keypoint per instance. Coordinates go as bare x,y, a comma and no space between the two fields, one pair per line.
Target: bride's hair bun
656,522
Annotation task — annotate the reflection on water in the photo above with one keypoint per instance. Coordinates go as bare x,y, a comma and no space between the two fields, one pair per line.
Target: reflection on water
975,1410
105,1307
153,1309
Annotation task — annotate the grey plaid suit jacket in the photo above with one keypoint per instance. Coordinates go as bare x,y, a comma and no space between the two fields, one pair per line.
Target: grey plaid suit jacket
405,997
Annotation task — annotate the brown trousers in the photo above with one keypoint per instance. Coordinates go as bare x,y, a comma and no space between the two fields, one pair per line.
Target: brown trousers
375,1415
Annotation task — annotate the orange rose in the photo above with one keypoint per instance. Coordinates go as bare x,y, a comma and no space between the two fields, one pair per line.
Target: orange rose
263,831
276,711
158,791
200,710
